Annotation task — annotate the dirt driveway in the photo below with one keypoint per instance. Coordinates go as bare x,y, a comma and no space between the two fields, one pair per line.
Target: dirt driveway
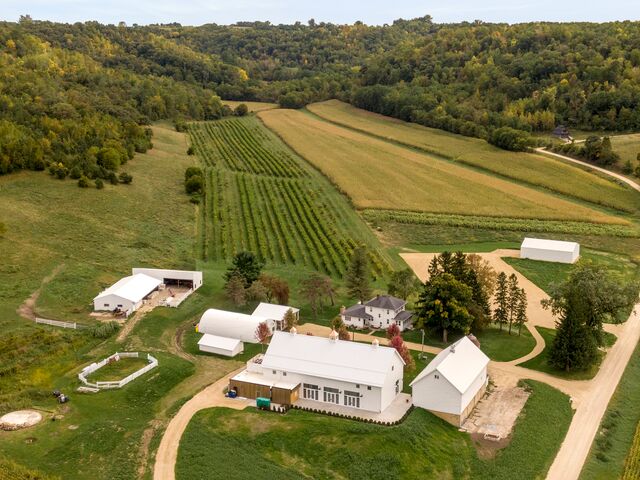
212,396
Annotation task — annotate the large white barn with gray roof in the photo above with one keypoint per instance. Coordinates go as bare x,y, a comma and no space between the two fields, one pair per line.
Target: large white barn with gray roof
326,370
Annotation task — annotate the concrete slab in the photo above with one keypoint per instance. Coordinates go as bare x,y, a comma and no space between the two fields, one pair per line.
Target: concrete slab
392,413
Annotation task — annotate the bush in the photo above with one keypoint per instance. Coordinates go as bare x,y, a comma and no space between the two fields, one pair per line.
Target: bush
180,125
191,151
194,184
195,199
191,171
104,330
511,139
99,184
241,110
83,182
113,178
125,178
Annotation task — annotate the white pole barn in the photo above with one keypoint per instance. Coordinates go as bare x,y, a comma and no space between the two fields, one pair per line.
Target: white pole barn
550,250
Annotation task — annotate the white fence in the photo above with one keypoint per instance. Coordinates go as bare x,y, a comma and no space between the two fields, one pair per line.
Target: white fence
57,323
153,362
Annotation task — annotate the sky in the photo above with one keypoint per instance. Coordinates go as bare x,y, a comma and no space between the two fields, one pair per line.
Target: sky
371,12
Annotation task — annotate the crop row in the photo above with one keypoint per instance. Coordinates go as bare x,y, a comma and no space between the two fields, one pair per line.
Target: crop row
494,223
632,463
281,220
240,145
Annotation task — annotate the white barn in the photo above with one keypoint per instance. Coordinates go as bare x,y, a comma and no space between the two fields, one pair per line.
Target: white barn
127,294
239,326
550,250
275,313
324,370
453,382
229,347
186,278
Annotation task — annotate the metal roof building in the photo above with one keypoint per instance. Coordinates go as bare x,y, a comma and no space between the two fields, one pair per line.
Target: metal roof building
550,250
126,294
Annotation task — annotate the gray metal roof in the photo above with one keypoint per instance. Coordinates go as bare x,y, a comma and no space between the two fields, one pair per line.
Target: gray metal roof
357,311
386,301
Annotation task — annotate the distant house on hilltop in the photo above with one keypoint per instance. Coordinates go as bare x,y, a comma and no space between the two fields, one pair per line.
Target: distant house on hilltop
379,312
562,132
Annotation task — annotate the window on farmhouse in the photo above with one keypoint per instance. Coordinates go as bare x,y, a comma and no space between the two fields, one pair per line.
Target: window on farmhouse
106,304
357,385
274,372
368,388
437,377
284,374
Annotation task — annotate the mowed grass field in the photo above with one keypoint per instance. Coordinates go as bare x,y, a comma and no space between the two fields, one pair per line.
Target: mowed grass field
531,168
261,196
299,444
252,106
376,173
628,147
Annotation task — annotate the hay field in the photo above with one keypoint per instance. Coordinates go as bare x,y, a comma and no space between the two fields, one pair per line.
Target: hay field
379,174
525,167
252,106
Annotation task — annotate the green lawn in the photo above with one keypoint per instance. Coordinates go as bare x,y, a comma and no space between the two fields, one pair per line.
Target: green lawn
496,344
421,363
628,147
118,370
541,363
265,445
614,438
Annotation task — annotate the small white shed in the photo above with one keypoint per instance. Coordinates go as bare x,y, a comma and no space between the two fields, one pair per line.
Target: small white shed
229,347
232,325
275,312
453,382
550,250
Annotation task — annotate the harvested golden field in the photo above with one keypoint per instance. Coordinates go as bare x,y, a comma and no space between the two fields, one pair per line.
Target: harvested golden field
526,167
252,106
379,174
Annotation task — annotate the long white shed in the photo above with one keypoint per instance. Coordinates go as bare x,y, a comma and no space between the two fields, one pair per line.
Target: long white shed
126,294
229,347
550,250
188,278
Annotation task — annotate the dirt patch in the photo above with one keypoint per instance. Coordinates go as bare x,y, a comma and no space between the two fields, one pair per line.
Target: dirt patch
491,422
28,308
145,442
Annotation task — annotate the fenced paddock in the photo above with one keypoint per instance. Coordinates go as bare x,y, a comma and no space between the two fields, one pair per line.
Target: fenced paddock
82,376
58,323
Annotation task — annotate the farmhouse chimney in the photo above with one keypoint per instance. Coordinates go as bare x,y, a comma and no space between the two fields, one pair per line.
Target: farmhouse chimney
342,309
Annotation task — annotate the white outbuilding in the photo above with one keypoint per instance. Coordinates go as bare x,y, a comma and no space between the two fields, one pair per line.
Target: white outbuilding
239,326
182,278
127,294
453,382
550,250
229,347
275,313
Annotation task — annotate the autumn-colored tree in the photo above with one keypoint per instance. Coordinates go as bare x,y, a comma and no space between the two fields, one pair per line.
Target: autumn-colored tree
290,319
393,331
398,343
277,288
257,292
235,290
263,332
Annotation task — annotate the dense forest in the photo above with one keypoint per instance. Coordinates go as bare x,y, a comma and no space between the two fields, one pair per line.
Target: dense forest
76,98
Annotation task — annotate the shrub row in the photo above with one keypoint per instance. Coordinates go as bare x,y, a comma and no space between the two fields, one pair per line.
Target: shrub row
354,417
494,223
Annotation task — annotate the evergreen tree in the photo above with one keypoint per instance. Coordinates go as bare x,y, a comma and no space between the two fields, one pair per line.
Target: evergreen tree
358,276
513,298
290,320
521,310
501,312
247,266
573,347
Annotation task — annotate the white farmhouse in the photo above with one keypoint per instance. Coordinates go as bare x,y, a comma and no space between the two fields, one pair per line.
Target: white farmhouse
550,250
379,312
324,370
453,382
127,294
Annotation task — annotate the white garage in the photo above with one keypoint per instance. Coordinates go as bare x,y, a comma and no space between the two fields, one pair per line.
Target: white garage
453,382
232,325
229,347
550,250
127,294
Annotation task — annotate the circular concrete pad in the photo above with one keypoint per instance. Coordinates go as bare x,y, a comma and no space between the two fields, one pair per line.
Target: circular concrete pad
20,419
